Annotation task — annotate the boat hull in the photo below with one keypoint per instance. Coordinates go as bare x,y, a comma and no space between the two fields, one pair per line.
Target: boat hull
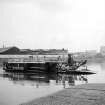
76,72
29,67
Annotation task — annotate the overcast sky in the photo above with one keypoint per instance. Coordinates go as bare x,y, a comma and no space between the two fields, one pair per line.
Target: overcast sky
76,25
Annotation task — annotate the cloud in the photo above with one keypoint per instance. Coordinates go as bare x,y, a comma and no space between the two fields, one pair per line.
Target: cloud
74,24
49,5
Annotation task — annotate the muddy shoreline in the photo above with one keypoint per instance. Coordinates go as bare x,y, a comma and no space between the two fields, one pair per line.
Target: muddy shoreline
86,94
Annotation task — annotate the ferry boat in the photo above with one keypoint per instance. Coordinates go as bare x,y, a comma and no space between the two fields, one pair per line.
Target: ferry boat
57,66
30,65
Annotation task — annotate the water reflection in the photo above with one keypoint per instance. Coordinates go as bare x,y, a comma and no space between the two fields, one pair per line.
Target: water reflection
25,78
22,87
102,65
37,79
70,80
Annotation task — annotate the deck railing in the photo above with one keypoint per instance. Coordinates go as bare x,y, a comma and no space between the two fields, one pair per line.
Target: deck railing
39,59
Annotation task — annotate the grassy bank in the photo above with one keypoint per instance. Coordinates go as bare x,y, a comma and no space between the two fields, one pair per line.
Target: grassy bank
87,94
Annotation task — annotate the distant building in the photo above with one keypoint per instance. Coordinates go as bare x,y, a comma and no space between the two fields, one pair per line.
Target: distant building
15,50
26,51
102,50
9,50
50,51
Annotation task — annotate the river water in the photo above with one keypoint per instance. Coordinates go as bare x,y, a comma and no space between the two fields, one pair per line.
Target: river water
16,88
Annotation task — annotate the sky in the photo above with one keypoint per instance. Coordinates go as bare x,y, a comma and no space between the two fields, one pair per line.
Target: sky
76,25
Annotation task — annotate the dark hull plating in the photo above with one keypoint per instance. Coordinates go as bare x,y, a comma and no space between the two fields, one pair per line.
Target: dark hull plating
30,67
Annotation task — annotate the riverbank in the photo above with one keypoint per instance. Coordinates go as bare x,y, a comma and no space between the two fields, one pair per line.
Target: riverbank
86,94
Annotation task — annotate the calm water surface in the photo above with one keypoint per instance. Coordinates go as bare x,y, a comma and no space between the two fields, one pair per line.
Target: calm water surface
16,88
